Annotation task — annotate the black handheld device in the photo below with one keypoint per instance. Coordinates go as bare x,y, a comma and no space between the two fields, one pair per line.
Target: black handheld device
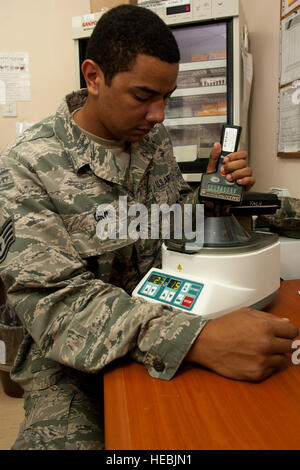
214,186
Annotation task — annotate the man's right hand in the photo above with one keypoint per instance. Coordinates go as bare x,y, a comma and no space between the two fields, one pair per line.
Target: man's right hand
245,345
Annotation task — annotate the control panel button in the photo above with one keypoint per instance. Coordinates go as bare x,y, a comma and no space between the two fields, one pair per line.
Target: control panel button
170,296
146,289
186,287
215,179
164,295
153,290
179,299
188,301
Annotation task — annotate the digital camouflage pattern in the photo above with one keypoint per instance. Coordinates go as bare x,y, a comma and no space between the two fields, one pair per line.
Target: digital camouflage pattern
286,220
70,289
8,316
65,416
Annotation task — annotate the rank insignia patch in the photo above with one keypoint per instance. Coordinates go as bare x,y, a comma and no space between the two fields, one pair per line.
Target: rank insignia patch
7,237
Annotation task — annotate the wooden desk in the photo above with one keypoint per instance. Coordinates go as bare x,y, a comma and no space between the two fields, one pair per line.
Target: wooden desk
198,409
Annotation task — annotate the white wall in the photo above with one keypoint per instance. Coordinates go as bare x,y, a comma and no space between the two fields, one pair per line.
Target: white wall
43,28
263,21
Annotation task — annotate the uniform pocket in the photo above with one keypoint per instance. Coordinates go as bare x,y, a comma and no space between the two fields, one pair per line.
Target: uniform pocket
97,233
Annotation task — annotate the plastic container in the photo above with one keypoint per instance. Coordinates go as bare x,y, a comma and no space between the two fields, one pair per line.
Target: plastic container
10,340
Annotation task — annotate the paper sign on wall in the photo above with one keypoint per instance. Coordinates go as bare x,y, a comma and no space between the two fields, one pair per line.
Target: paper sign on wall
289,5
14,77
290,49
289,119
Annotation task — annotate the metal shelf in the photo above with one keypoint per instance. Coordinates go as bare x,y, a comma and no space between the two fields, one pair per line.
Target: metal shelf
208,90
195,120
203,64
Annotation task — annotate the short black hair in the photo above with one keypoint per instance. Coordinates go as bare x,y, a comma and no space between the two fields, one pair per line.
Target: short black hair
126,31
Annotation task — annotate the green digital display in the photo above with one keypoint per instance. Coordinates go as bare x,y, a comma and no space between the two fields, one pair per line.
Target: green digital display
158,280
221,189
174,284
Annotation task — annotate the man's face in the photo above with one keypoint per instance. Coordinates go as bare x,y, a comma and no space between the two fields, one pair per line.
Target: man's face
134,102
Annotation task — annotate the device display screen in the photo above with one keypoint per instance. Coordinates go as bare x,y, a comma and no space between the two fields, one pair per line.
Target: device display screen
158,280
174,284
221,189
179,9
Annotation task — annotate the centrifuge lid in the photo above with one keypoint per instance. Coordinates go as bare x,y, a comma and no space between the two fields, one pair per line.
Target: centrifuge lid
226,234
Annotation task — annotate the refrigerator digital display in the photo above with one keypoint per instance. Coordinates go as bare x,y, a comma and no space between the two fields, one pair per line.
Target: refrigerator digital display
179,9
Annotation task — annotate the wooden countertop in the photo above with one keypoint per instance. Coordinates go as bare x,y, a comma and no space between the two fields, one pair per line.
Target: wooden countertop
199,409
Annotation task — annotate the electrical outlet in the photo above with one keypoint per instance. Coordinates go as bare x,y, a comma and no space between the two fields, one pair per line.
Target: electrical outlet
9,110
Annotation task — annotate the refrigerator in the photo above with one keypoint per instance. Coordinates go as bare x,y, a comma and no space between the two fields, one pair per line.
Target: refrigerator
208,91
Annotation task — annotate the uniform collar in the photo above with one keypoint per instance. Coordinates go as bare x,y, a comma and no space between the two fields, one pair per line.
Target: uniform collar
83,151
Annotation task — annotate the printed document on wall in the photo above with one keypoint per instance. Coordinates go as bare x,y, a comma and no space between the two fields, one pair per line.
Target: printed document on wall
289,5
289,119
14,77
290,49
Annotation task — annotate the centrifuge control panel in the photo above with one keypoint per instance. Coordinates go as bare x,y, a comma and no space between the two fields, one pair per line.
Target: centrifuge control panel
172,290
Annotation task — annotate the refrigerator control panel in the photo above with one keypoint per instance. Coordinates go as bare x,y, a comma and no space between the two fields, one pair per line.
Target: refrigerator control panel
181,11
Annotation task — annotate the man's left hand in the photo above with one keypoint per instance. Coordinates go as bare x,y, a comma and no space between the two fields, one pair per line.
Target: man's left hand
235,166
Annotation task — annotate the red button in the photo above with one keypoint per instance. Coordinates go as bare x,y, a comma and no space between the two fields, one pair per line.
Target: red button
187,302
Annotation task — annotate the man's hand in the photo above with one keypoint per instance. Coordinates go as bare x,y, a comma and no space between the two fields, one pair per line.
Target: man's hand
235,166
245,345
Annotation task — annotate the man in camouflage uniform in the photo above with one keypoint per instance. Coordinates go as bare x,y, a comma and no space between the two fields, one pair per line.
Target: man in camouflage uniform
71,289
286,220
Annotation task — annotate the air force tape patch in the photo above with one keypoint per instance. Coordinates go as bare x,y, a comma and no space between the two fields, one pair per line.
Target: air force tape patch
7,237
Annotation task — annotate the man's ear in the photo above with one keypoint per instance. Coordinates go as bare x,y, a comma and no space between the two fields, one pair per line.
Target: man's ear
93,76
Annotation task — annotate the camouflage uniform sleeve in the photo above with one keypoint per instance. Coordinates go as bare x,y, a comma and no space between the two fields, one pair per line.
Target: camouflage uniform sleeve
286,220
75,319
